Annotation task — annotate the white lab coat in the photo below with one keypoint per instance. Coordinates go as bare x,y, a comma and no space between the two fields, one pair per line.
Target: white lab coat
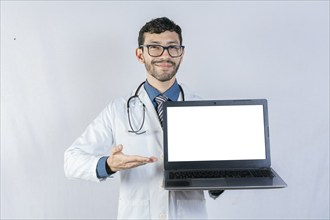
142,195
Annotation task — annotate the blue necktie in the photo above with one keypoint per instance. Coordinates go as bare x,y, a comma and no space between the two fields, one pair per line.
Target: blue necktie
160,99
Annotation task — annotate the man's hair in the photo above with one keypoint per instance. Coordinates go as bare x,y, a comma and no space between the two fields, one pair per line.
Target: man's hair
157,26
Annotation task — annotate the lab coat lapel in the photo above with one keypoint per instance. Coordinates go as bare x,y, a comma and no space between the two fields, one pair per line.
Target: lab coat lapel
150,110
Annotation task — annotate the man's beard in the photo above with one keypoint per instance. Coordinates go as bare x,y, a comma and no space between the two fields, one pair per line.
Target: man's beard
162,77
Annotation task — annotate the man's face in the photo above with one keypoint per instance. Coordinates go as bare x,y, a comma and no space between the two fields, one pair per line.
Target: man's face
162,68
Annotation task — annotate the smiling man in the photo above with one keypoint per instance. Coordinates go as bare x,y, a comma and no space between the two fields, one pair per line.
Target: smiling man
132,127
164,56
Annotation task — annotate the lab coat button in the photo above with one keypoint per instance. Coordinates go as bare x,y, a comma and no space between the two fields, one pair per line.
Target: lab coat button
162,215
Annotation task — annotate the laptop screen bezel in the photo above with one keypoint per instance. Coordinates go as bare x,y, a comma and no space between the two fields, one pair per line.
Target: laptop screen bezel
217,164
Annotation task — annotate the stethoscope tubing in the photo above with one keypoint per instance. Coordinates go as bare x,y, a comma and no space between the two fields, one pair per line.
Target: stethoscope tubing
136,95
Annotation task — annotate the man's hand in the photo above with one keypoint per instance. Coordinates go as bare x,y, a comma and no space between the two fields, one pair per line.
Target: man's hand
119,161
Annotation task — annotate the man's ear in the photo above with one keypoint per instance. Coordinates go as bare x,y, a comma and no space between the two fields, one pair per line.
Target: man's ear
139,55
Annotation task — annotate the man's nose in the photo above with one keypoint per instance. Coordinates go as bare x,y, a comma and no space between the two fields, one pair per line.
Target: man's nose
166,53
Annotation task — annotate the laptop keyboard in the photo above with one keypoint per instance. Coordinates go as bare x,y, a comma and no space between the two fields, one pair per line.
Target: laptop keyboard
221,174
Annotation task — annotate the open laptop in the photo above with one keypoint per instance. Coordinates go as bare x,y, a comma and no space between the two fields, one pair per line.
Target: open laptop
218,145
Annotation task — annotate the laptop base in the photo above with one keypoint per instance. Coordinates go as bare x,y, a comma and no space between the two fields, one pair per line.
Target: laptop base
226,183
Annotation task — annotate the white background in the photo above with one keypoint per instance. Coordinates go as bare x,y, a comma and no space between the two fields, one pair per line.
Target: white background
63,61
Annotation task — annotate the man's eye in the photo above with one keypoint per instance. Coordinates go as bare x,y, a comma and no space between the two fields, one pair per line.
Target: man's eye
154,47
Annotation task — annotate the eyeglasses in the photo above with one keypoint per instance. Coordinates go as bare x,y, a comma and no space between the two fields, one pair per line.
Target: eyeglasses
158,50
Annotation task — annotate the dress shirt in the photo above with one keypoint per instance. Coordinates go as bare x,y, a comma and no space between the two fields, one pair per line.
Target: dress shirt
171,94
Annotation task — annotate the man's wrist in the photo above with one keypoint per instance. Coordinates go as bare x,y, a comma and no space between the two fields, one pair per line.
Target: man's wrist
108,169
102,168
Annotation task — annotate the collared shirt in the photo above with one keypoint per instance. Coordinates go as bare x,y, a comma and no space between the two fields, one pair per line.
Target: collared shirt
171,94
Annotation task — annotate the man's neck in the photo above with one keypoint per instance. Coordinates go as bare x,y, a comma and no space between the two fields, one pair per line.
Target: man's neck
160,86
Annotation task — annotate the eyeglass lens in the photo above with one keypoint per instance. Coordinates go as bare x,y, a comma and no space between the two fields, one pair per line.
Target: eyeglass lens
157,50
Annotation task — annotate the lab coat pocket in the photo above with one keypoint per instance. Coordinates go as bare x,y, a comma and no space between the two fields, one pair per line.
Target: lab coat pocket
133,209
191,209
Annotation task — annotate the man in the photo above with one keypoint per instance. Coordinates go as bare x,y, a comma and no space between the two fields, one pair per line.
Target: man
133,127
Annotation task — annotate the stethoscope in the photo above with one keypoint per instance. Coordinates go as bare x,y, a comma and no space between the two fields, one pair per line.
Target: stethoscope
136,96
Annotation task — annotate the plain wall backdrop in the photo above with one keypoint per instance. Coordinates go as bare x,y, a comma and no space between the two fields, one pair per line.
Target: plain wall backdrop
63,61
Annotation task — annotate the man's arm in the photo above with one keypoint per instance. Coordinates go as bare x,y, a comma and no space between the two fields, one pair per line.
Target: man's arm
120,161
82,157
107,166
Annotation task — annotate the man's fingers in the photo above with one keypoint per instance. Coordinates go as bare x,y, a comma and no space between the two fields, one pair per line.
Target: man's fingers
134,164
137,163
121,162
153,159
140,159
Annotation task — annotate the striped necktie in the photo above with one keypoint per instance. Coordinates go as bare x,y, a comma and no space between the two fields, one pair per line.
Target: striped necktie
160,99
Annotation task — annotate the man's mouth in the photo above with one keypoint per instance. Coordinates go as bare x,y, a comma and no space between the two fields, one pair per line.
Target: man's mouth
164,64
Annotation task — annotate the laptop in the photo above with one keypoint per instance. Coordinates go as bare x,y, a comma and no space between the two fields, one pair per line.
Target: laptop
218,145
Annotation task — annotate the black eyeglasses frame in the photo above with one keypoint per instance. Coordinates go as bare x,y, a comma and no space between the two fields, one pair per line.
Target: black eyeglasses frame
164,48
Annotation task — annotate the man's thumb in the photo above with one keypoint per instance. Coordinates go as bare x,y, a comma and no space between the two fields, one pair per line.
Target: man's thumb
117,149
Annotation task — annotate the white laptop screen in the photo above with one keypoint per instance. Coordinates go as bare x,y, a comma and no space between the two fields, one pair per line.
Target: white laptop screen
215,133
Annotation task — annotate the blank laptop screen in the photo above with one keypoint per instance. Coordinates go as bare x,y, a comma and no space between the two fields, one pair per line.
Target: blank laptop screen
209,133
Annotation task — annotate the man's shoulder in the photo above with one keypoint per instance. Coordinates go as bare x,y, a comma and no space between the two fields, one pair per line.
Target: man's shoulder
116,104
